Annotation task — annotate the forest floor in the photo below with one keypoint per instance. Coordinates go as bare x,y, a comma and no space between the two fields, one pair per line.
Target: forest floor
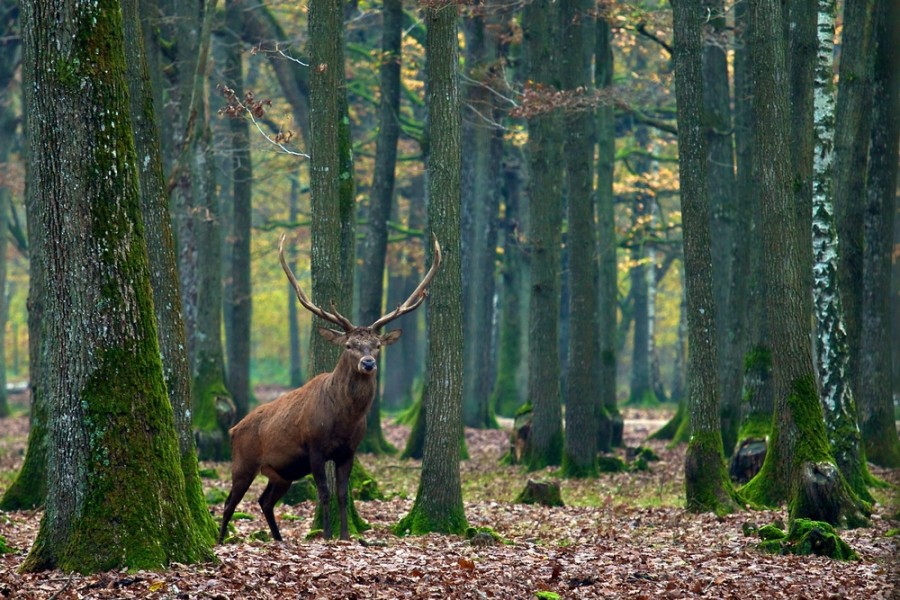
624,535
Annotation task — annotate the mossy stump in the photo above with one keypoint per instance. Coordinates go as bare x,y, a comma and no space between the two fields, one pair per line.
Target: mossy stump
546,493
748,460
804,537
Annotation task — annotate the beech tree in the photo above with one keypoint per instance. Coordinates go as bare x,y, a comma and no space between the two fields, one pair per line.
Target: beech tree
109,417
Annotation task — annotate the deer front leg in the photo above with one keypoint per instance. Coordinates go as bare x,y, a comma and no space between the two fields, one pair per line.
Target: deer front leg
342,479
317,464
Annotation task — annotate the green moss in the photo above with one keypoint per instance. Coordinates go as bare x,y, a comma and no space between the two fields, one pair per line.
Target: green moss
30,486
4,547
536,459
415,444
806,537
417,522
707,486
208,473
300,491
216,496
611,464
771,532
667,431
643,452
892,532
242,516
647,399
755,426
758,359
547,595
572,470
473,532
260,535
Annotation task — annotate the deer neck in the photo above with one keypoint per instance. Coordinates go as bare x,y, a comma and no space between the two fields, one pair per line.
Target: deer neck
354,389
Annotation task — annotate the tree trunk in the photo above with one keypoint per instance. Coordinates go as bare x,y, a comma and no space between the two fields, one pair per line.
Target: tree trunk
876,412
799,467
482,150
608,284
438,506
110,417
241,306
374,250
582,418
851,145
545,444
722,204
295,368
507,395
161,254
332,206
832,357
707,486
757,399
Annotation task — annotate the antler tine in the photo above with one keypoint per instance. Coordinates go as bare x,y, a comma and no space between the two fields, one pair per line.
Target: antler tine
336,317
418,296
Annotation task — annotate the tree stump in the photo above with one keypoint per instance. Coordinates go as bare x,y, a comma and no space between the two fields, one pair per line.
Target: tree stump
546,493
748,460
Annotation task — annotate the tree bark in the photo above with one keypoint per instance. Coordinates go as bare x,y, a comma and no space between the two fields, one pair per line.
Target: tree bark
545,444
161,254
799,455
482,150
707,486
832,351
241,297
851,144
582,406
438,506
332,206
374,249
110,416
876,413
608,284
723,205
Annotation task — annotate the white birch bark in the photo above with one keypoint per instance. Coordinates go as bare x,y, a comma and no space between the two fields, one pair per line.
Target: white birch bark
832,350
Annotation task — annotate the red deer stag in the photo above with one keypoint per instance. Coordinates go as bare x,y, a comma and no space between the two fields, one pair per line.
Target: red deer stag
297,433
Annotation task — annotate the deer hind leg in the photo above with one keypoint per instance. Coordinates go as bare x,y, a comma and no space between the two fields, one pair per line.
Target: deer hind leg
239,486
274,491
342,479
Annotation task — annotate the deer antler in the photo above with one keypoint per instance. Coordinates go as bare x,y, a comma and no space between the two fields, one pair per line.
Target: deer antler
333,317
418,295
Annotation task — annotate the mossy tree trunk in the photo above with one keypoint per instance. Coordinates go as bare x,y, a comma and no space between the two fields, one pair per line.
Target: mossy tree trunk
331,181
161,254
374,247
240,303
582,406
195,210
832,351
110,418
545,443
875,401
707,486
799,467
757,399
851,146
608,284
438,506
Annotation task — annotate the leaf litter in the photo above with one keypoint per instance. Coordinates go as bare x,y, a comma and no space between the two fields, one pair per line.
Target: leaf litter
623,535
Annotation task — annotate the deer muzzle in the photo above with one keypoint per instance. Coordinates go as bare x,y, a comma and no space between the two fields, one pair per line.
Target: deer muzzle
367,364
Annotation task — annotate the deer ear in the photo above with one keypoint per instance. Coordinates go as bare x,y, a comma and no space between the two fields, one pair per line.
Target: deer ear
335,337
390,337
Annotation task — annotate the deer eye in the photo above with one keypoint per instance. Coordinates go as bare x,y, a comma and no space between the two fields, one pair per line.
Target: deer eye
347,345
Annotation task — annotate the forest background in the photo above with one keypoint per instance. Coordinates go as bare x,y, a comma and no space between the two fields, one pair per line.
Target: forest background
242,146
